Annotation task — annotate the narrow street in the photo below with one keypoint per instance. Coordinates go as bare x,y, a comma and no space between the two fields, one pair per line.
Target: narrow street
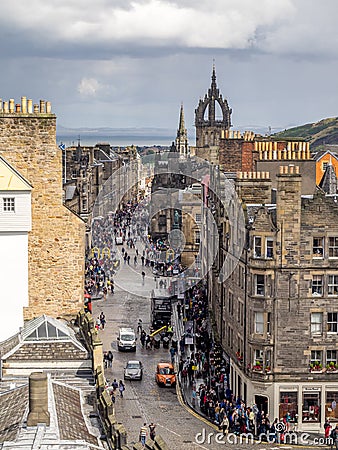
145,401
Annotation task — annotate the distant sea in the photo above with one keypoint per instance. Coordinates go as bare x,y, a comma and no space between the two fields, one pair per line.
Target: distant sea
114,141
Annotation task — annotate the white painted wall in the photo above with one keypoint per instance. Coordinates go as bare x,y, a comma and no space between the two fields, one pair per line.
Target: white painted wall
14,281
21,219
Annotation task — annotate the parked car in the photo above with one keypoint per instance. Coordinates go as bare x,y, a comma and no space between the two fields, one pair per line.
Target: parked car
165,374
133,370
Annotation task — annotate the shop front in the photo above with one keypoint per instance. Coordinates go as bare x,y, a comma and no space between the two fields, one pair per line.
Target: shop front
306,407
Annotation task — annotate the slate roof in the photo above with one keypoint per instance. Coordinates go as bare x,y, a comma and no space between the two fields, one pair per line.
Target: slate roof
68,427
317,156
13,406
329,180
70,419
42,330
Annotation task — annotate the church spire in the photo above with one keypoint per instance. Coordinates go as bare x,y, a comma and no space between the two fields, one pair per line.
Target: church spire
213,78
181,126
182,135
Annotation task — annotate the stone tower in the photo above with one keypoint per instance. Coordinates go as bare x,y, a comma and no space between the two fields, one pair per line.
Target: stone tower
56,244
208,125
181,141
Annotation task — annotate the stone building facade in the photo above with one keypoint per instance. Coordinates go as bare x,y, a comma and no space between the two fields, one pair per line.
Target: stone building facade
276,315
56,242
85,171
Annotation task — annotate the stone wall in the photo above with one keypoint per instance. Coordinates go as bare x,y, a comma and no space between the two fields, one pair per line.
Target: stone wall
57,239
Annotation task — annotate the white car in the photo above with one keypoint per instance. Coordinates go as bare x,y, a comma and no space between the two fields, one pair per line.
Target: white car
133,370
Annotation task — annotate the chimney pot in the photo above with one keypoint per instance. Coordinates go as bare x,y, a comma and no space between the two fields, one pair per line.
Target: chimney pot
24,105
11,105
42,106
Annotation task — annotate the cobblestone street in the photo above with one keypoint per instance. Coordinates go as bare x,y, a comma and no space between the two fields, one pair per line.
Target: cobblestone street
145,401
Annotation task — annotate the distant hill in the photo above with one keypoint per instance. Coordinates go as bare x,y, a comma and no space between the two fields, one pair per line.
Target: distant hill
324,132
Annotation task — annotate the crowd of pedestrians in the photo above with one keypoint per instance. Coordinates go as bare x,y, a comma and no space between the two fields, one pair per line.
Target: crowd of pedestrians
204,376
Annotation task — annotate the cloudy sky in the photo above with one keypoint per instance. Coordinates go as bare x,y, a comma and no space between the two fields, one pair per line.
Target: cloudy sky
122,63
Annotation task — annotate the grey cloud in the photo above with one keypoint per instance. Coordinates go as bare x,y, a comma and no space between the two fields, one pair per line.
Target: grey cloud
275,59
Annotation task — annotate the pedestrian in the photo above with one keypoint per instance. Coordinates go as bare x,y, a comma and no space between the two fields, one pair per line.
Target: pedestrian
143,275
334,436
128,260
102,320
112,396
225,425
105,359
135,260
180,365
121,388
193,397
139,326
98,323
142,260
143,338
143,434
110,358
105,291
327,428
184,375
115,385
147,341
172,354
152,431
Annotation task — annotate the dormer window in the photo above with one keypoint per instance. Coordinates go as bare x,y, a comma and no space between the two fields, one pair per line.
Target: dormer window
8,204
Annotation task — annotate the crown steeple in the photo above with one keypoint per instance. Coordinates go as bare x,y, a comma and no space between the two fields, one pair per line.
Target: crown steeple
208,126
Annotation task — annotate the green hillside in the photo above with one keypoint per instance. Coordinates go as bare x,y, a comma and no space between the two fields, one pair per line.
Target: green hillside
324,132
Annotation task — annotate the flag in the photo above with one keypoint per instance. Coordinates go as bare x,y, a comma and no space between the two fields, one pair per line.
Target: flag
62,146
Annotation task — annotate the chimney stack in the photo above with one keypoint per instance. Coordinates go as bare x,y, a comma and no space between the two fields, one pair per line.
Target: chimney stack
38,400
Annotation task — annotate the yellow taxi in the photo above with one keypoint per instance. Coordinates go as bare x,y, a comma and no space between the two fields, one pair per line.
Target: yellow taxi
165,374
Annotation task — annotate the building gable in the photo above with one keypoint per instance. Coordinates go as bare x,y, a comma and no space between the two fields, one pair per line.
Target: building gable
10,179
